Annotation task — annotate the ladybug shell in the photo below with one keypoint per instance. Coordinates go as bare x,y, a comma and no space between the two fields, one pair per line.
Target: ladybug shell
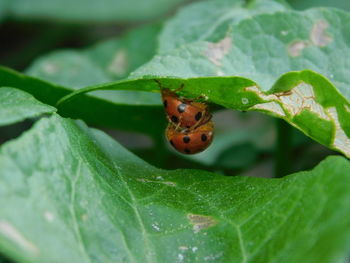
183,112
191,142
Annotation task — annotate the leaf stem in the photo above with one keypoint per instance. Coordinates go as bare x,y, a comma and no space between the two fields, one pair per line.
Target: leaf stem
283,148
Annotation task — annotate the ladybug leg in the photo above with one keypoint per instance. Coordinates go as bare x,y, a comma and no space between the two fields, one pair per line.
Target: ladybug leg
189,100
169,120
196,98
176,125
159,83
162,87
180,88
204,120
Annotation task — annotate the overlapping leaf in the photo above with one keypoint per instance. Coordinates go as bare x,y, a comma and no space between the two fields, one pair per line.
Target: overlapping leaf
106,61
17,105
211,20
84,198
265,51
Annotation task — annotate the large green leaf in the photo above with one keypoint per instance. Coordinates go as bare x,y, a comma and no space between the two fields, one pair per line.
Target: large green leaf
89,11
16,105
266,51
264,47
305,99
211,20
71,194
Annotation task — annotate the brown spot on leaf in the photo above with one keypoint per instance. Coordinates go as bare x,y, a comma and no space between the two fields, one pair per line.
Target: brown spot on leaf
341,141
318,35
143,180
119,64
216,51
295,48
10,232
200,222
50,68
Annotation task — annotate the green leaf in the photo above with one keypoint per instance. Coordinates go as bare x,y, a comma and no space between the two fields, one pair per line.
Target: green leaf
90,11
104,62
267,51
211,20
96,111
108,60
305,99
264,47
301,4
68,188
16,105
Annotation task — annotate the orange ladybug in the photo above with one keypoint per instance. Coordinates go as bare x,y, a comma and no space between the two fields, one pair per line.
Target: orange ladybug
184,113
191,141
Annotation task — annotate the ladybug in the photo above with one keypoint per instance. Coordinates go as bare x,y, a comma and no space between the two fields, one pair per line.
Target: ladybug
191,141
184,113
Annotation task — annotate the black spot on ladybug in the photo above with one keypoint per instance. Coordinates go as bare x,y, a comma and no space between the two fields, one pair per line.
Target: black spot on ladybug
174,119
198,116
186,139
204,137
187,150
171,142
181,108
165,103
